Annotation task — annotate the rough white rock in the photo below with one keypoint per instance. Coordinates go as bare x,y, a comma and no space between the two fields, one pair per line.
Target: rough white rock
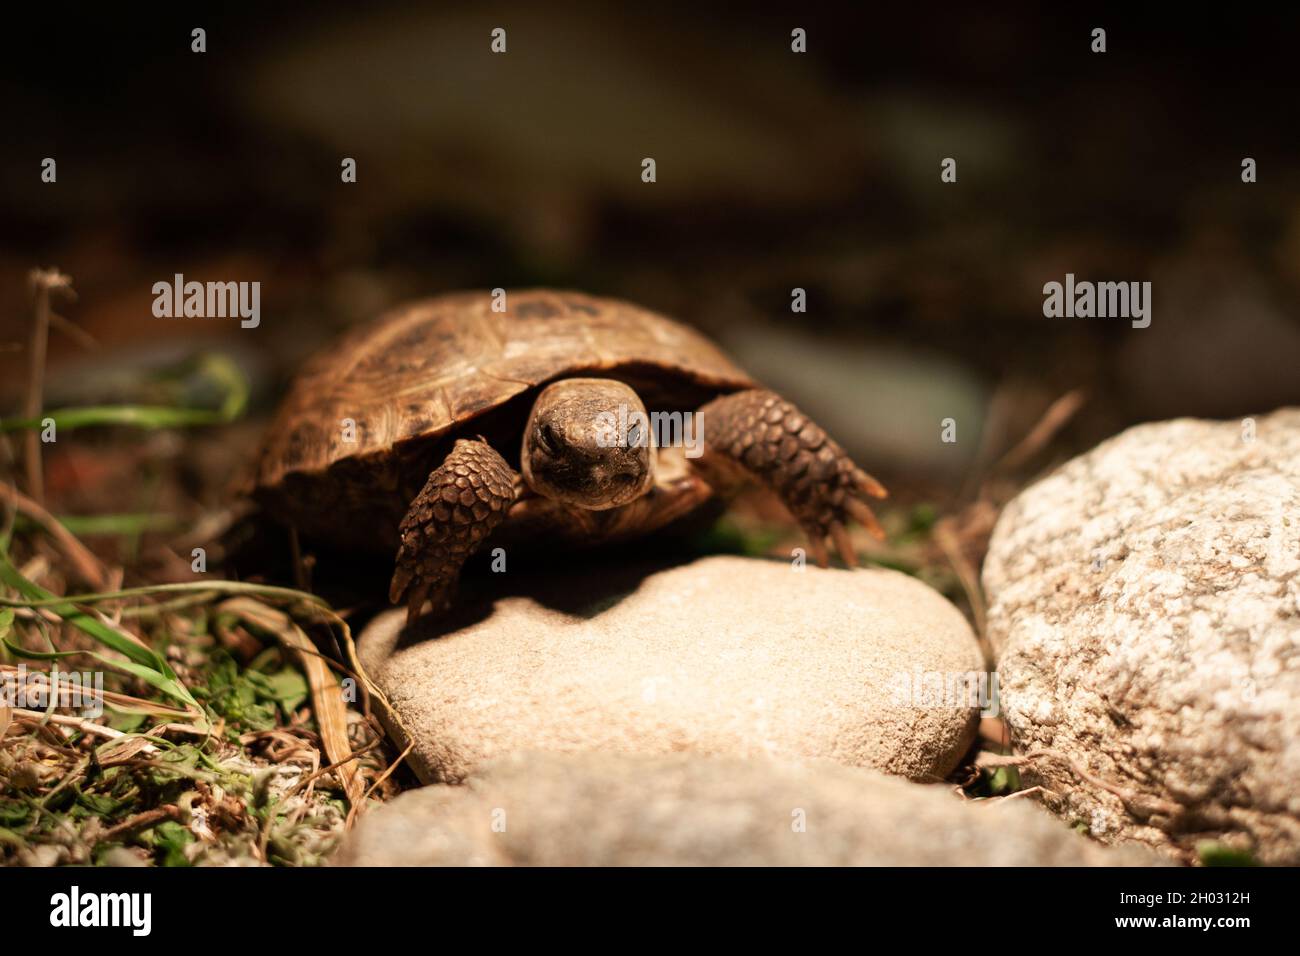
1144,602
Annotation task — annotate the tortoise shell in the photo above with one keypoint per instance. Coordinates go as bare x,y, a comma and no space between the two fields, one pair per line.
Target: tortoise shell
367,420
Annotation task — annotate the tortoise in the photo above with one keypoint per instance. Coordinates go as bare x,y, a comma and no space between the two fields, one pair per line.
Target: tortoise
460,419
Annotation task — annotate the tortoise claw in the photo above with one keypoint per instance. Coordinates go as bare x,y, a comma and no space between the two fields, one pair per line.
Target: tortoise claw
844,545
402,577
863,513
818,548
868,484
422,591
415,599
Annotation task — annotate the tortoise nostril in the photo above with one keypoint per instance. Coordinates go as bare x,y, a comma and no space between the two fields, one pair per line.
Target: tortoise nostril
623,480
549,438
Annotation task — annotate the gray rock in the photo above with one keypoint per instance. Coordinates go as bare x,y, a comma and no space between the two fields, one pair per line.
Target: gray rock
1145,608
682,809
725,655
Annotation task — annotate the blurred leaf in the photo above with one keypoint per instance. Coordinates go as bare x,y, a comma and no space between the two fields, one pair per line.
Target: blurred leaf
138,416
1218,854
290,689
242,700
1004,780
726,536
922,518
125,721
99,805
193,386
206,390
127,524
171,839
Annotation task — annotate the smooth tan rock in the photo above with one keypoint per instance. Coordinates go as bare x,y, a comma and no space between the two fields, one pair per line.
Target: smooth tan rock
1145,607
725,655
683,809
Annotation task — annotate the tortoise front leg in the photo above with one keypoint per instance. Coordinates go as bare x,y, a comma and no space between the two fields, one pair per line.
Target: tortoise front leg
465,498
757,434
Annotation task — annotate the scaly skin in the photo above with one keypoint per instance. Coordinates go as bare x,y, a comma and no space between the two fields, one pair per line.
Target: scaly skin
759,434
461,504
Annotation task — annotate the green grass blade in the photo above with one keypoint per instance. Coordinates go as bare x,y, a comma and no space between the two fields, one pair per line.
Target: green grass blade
137,416
123,524
215,376
185,587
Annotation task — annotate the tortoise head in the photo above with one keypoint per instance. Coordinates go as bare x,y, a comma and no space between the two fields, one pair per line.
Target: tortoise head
587,444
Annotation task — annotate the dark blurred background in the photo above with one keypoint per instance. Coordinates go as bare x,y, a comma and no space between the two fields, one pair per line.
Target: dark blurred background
775,171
